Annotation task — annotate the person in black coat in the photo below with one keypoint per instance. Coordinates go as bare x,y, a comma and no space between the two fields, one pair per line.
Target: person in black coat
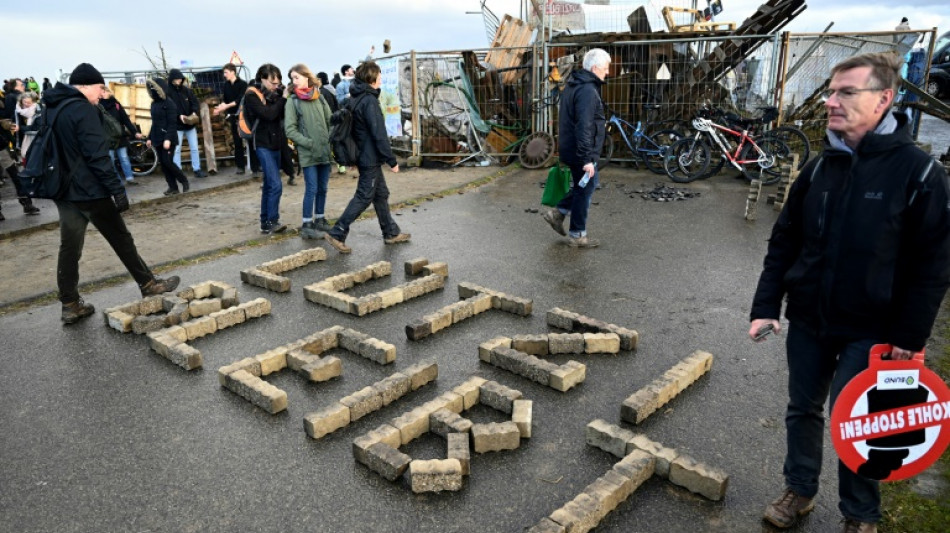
95,192
186,119
231,96
115,109
369,130
264,104
14,88
164,135
327,92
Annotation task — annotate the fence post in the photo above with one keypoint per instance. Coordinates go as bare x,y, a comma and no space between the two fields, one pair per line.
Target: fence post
415,159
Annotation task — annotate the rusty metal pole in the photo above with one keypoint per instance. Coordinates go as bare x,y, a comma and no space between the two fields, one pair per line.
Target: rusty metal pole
415,159
781,65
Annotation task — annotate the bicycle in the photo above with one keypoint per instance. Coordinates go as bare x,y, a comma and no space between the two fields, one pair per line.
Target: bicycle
143,157
690,157
793,137
653,153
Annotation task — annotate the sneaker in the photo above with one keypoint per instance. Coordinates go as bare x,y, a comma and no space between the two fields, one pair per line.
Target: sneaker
396,239
131,183
201,174
170,192
160,286
583,242
785,511
853,526
265,228
76,311
322,224
556,220
309,231
339,245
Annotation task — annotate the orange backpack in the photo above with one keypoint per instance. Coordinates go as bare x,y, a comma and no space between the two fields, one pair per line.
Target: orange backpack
244,127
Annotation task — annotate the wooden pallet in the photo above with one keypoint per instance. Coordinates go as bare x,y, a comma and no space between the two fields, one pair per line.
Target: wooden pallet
509,46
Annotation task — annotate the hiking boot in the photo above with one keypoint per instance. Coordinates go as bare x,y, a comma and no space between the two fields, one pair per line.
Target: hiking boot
309,231
28,206
185,186
76,311
556,219
170,192
396,239
339,245
853,526
583,242
785,511
201,174
160,286
322,224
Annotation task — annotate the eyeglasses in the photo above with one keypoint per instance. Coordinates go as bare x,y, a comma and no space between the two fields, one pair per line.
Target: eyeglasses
844,94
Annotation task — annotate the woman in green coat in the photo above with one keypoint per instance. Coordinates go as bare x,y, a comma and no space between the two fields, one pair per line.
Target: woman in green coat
307,123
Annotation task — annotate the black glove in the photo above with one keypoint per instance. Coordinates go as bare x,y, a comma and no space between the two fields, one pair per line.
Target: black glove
121,202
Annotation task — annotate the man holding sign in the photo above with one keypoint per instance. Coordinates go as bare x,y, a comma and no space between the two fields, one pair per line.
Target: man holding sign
862,252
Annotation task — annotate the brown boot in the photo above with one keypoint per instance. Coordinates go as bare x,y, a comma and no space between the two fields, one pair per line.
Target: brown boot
76,311
854,526
396,239
785,511
160,286
339,245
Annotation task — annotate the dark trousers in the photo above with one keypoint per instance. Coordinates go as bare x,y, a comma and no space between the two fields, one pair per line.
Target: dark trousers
173,174
240,159
370,189
817,366
74,217
577,200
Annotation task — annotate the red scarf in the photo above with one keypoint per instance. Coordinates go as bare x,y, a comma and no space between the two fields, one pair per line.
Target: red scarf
310,93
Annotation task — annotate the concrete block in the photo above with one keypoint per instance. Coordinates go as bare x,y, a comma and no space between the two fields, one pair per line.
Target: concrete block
381,269
439,268
704,480
578,515
393,387
362,402
226,318
377,351
625,485
421,373
229,298
559,343
256,391
418,330
272,361
530,344
567,376
498,396
480,303
521,416
413,289
120,321
151,305
435,475
188,293
326,420
161,342
248,364
350,339
443,422
276,283
485,348
385,434
601,343
628,338
323,369
452,401
199,327
458,448
515,305
204,306
468,390
637,466
664,456
256,308
177,332
390,297
411,424
495,436
462,310
639,405
315,254
414,266
341,302
366,305
169,301
611,438
299,357
439,319
433,283
386,460
546,525
147,324
178,314
467,290
560,318
529,366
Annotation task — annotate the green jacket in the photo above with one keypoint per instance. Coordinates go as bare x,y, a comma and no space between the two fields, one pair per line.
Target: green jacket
310,131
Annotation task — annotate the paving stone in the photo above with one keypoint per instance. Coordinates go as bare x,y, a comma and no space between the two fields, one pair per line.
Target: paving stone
363,402
350,340
187,293
326,420
628,338
521,416
663,456
161,342
315,254
177,332
498,396
578,515
480,303
362,275
444,422
515,305
530,344
418,329
412,424
637,466
704,480
601,343
381,269
384,433
256,391
414,266
559,343
169,301
439,268
641,404
586,324
377,351
435,475
467,290
151,305
485,348
204,307
229,298
272,361
529,366
468,390
120,321
624,484
178,314
299,357
413,289
248,364
386,460
256,308
462,310
341,302
560,318
546,525
421,373
439,319
391,297
495,436
315,294
366,305
433,283
276,283
458,448
567,376
199,327
638,406
323,369
147,324
452,401
606,495
226,318
611,438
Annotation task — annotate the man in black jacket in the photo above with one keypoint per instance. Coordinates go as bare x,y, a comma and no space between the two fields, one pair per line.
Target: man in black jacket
861,250
233,91
582,126
95,193
369,130
184,98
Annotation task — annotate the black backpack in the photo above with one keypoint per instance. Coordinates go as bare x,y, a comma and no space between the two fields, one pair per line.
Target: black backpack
342,141
45,175
113,129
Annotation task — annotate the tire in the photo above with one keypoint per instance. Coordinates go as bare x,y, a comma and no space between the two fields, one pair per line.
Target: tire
768,171
688,160
607,152
143,157
536,150
796,140
663,139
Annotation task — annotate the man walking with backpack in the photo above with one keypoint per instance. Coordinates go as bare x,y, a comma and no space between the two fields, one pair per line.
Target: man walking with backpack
369,132
94,192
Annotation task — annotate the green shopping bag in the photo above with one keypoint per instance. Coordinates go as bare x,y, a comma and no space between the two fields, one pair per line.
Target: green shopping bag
559,182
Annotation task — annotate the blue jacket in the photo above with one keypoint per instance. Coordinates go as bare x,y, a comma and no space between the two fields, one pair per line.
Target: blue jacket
581,120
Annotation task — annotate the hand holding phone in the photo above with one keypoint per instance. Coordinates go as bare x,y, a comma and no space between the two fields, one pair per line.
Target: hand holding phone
763,332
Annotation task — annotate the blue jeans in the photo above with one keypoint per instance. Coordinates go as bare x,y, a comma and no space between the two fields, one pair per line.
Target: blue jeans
370,189
124,162
316,181
577,201
815,367
192,135
272,190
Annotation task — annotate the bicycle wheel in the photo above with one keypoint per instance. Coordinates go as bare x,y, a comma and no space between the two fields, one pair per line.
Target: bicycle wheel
661,140
796,140
607,151
688,160
143,158
767,168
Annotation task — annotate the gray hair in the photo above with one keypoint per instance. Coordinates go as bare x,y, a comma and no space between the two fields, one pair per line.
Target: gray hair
596,57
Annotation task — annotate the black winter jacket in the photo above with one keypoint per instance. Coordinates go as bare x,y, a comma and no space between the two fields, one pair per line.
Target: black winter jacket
369,127
862,246
164,115
184,99
85,148
270,129
581,120
114,108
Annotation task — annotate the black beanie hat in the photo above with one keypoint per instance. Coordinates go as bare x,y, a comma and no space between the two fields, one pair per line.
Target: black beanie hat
175,74
85,74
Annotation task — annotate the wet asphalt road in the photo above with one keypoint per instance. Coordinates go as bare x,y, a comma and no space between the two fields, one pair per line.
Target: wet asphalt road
101,434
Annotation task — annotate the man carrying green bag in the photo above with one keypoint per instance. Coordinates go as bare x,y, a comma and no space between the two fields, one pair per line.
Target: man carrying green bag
559,182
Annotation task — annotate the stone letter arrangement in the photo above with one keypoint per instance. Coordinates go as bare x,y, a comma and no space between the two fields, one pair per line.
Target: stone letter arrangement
567,320
266,275
379,448
643,403
474,300
329,292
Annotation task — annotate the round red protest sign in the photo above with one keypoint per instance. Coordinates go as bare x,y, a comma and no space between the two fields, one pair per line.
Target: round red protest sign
893,420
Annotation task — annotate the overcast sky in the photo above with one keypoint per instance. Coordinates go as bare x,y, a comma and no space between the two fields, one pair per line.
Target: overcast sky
40,38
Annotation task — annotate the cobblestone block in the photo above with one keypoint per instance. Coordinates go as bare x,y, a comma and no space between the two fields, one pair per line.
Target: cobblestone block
323,340
342,302
559,343
161,342
385,434
485,348
226,318
323,369
467,290
444,422
315,294
147,323
641,404
453,401
560,318
381,269
529,366
439,319
625,485
637,466
611,438
326,420
702,479
377,351
300,357
638,406
435,475
458,448
468,390
514,305
272,361
362,402
229,298
586,324
393,387
257,391
151,305
249,275
480,303
662,455
439,268
169,301
177,332
350,340
521,416
120,321
199,327
204,307
628,338
422,373
365,305
433,283
411,424
413,289
386,460
530,344
419,329
178,314
546,525
276,283
188,293
462,310
248,364
256,308
315,254
567,376
578,515
495,436
414,266
391,297
601,343
498,396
